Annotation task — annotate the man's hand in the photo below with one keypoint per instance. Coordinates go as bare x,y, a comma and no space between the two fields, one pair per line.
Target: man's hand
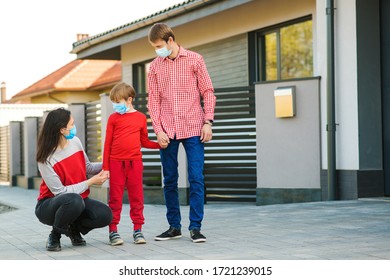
206,134
162,139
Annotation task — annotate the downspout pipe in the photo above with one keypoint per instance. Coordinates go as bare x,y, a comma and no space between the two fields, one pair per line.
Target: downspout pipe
331,125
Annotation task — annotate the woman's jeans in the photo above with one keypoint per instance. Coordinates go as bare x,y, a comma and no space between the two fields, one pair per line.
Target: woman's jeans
70,208
194,149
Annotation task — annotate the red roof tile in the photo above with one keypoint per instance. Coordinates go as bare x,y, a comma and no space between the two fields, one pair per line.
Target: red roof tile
77,75
111,76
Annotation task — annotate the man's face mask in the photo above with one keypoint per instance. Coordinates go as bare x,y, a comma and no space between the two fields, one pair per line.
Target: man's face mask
163,52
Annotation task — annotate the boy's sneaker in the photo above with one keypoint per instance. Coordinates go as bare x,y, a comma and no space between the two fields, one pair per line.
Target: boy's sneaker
139,237
171,233
196,236
115,238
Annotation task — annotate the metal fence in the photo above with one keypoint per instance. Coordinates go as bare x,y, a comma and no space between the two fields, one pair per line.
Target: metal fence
4,154
93,131
230,158
17,113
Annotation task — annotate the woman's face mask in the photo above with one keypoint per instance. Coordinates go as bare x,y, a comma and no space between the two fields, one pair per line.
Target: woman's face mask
120,108
72,133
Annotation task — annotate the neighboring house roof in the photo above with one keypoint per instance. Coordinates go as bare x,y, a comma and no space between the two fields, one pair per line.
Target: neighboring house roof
77,75
108,78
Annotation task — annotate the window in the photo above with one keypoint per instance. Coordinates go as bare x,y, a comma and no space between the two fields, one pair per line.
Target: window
283,52
140,74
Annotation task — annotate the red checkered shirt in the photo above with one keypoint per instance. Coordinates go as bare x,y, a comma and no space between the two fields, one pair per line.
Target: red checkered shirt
175,91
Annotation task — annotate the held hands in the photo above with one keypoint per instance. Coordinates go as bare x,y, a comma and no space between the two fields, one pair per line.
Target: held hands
106,173
162,139
206,133
98,179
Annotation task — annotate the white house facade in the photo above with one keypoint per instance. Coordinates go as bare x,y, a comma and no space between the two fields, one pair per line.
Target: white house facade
329,60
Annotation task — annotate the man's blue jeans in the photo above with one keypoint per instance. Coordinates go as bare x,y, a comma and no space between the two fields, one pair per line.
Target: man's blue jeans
194,149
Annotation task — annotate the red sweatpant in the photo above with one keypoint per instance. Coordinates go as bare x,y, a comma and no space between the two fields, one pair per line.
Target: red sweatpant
126,174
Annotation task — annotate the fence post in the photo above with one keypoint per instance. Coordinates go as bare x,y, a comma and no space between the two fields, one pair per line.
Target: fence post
107,110
78,114
15,156
30,133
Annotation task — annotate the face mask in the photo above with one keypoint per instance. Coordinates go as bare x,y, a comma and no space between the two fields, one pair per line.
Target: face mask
163,52
120,108
72,133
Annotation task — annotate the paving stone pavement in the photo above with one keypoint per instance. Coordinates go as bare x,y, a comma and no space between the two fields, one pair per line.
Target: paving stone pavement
329,230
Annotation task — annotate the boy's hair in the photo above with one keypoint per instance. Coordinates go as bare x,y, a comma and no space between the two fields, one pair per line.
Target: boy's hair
121,91
160,31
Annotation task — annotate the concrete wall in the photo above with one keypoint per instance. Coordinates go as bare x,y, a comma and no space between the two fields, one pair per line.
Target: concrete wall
288,149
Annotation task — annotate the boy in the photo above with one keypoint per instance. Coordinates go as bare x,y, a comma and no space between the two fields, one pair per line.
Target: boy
126,133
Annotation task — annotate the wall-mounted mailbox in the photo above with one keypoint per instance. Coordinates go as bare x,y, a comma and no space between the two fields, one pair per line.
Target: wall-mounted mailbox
285,102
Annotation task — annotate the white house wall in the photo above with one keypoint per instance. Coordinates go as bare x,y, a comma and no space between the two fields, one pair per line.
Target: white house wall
347,155
205,34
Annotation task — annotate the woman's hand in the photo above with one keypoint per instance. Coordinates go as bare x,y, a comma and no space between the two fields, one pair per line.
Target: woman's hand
98,179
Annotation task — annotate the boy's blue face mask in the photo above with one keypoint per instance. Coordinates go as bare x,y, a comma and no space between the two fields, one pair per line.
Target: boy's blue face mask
72,133
120,108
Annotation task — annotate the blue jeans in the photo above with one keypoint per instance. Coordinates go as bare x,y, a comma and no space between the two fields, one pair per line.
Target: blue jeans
194,149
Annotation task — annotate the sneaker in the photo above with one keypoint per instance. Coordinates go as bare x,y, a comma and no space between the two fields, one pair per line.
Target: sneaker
171,233
53,242
139,237
196,236
75,236
115,238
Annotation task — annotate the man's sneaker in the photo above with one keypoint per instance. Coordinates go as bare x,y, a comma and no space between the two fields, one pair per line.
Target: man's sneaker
139,237
75,236
115,238
53,242
196,236
171,233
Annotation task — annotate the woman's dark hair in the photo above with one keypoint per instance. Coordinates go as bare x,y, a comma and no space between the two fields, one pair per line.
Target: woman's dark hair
50,135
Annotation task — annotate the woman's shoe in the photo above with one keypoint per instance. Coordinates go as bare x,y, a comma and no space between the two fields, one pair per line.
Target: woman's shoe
53,242
75,236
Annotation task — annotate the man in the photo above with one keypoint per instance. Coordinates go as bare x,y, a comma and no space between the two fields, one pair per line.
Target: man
177,82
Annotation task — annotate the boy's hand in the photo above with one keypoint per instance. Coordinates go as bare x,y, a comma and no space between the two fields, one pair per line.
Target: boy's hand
162,139
163,145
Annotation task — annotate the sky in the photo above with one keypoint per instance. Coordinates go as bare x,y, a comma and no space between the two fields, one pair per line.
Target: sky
36,37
